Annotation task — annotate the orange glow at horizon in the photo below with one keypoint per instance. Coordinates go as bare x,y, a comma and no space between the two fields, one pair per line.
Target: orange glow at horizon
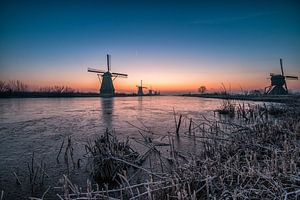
91,84
166,77
164,84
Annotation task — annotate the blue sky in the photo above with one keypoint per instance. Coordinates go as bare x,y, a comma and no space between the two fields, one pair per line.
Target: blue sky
170,45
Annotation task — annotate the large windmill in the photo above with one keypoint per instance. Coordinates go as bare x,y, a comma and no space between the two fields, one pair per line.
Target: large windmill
105,78
278,83
140,89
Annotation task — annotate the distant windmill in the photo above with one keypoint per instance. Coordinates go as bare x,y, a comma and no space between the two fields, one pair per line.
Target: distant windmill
150,91
105,78
278,83
140,89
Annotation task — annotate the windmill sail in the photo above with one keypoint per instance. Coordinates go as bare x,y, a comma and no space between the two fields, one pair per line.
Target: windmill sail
108,62
96,70
119,75
292,77
282,73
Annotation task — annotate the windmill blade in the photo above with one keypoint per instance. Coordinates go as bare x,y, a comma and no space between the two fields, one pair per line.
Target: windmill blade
281,66
141,87
108,62
96,71
120,75
291,77
282,73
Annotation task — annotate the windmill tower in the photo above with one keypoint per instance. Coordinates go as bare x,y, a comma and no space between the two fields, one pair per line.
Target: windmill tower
278,83
140,89
106,79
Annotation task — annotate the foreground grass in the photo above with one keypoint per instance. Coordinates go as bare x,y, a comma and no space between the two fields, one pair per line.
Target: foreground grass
253,157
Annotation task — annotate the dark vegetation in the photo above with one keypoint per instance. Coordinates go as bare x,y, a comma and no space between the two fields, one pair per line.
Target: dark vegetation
18,89
227,108
105,153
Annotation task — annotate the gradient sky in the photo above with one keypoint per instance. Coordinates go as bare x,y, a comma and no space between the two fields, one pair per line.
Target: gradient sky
173,46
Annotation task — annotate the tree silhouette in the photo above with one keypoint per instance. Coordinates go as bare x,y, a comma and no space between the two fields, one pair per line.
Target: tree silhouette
202,89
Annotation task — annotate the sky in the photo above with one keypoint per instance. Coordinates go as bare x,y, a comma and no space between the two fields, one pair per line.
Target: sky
173,46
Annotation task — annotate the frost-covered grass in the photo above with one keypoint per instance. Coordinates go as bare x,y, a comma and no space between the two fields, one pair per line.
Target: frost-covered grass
257,157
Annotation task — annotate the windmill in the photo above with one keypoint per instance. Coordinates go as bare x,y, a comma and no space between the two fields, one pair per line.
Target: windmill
105,78
278,83
140,89
150,91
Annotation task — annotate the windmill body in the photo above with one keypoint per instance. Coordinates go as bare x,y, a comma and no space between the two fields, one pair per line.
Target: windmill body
107,86
150,92
106,79
278,83
140,89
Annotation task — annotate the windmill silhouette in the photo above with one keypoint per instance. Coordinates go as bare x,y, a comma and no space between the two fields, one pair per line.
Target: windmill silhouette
106,79
150,91
140,89
278,83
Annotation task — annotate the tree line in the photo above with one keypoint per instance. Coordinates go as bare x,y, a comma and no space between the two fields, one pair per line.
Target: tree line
16,86
16,89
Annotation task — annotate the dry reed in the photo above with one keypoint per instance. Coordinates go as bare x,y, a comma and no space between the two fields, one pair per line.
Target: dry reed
254,158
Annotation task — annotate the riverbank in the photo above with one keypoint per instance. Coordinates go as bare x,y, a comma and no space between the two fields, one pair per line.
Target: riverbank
264,98
62,95
45,95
